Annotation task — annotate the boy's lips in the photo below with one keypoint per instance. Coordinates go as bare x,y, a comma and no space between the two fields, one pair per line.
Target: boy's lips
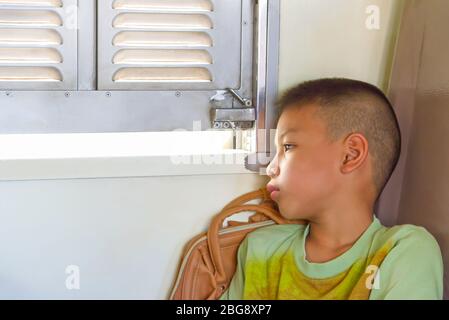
273,191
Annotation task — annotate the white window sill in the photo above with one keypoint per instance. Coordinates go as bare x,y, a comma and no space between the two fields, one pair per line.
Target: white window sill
73,156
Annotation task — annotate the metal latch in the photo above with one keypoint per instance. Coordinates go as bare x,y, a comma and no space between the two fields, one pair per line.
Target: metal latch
244,101
226,116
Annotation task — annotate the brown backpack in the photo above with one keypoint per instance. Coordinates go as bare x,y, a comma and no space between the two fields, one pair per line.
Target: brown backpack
209,260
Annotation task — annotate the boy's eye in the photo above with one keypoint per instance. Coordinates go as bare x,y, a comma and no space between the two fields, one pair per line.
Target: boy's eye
287,147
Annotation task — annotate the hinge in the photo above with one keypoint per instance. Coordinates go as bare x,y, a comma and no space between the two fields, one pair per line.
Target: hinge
225,116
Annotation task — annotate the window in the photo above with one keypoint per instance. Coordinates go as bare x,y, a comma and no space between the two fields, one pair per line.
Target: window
136,65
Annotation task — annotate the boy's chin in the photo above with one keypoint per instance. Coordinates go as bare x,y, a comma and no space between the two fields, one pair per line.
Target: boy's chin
289,215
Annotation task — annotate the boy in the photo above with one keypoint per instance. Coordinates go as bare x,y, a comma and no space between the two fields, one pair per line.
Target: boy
338,142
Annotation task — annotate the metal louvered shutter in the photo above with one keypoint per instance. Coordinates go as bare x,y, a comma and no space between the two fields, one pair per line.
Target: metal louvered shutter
169,44
37,45
164,65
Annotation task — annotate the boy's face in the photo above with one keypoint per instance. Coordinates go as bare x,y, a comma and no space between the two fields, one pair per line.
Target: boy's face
305,171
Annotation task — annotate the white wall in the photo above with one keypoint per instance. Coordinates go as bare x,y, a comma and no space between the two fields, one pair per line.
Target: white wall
329,38
126,234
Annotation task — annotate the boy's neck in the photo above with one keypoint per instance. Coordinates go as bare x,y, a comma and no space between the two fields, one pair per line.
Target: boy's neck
334,232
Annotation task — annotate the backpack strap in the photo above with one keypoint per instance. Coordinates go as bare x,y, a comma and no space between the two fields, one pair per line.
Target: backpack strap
261,193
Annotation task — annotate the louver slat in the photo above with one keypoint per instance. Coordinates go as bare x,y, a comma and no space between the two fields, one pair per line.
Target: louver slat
162,39
30,37
162,57
162,21
27,55
162,75
29,74
164,5
39,3
35,18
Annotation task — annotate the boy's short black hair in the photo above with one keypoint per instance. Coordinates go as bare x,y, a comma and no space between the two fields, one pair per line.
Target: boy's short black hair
348,106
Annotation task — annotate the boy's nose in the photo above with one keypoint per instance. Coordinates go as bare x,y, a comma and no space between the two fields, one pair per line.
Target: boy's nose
273,168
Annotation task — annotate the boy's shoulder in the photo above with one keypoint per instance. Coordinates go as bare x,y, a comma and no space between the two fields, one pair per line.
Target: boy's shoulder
408,232
413,266
405,236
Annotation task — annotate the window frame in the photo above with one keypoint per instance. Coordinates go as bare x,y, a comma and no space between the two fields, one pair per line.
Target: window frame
87,110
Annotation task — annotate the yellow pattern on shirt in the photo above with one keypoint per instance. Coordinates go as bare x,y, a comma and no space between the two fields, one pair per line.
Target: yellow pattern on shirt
280,278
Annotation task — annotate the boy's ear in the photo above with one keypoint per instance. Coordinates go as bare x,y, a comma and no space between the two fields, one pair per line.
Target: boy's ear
355,152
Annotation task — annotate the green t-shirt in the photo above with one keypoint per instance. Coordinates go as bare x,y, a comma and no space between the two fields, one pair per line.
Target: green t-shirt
401,262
